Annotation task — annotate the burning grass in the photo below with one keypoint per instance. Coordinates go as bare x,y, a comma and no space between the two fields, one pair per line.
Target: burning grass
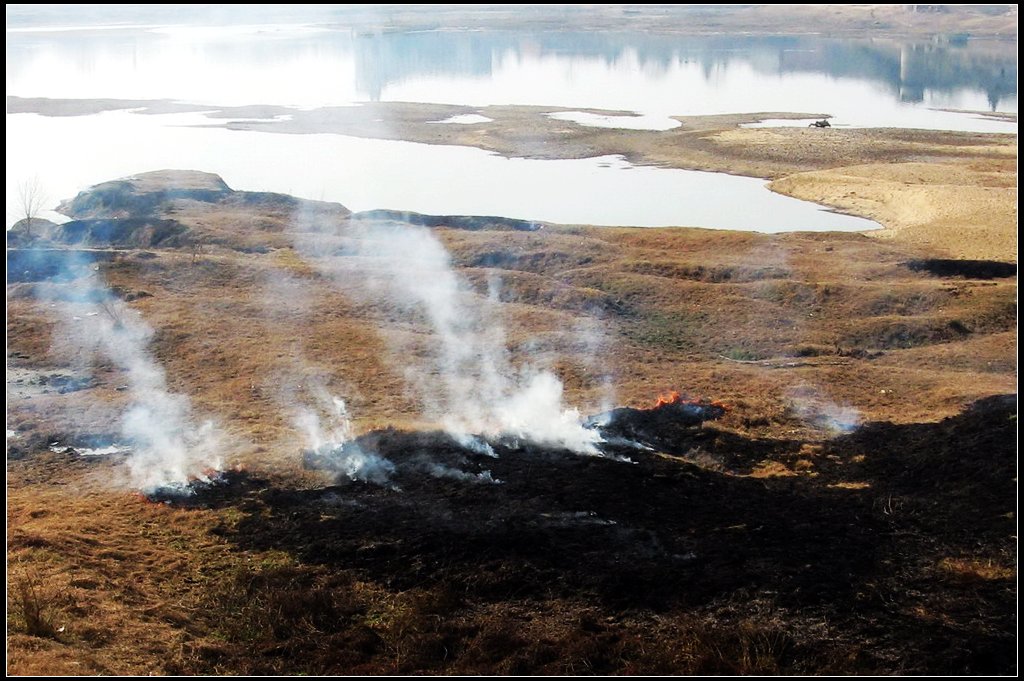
886,524
574,564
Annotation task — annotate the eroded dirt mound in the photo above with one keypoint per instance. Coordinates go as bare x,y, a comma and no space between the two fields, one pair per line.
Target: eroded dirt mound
467,222
144,195
175,209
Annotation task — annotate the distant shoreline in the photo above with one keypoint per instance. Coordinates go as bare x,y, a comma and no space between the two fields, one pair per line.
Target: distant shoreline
865,172
934,22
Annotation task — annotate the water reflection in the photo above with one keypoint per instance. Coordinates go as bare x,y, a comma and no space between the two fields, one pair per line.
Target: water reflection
862,83
303,65
907,70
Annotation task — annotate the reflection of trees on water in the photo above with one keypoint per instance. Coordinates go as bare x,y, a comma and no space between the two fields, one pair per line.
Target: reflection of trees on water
906,69
390,59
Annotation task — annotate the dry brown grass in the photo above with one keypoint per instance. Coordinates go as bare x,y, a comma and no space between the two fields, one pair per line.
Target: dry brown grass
117,573
144,588
31,607
960,210
973,568
772,469
125,586
764,323
850,485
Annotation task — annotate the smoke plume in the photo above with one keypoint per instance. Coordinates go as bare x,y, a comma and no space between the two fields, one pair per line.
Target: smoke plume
301,389
329,433
467,383
814,407
169,448
439,470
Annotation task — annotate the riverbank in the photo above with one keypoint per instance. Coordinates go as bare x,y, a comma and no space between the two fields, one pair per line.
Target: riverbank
837,355
952,192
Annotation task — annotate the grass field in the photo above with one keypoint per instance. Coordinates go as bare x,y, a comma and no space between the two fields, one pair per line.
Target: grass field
853,511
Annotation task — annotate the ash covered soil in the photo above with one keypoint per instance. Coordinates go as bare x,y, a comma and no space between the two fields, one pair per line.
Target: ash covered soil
894,557
853,511
847,570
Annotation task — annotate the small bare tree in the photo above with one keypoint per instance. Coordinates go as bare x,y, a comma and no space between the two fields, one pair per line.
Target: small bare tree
31,200
109,305
197,248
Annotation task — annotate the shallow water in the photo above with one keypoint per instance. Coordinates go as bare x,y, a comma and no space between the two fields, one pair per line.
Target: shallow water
368,173
861,83
637,122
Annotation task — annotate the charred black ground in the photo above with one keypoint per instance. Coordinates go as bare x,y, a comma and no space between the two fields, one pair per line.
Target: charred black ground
858,548
967,269
757,544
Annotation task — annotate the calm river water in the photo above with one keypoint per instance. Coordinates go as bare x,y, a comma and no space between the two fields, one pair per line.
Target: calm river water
861,83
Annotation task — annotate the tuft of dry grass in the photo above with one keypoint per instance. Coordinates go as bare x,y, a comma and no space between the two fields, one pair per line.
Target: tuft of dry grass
976,569
847,484
772,469
32,608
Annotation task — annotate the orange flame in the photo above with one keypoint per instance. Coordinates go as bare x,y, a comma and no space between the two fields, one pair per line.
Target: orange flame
205,475
673,397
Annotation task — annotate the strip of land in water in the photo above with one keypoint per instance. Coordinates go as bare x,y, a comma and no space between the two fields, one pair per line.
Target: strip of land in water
953,192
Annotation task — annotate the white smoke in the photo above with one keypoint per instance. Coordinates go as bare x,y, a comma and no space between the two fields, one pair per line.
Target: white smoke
474,444
593,351
329,432
332,430
470,387
439,470
321,417
814,407
535,412
169,449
